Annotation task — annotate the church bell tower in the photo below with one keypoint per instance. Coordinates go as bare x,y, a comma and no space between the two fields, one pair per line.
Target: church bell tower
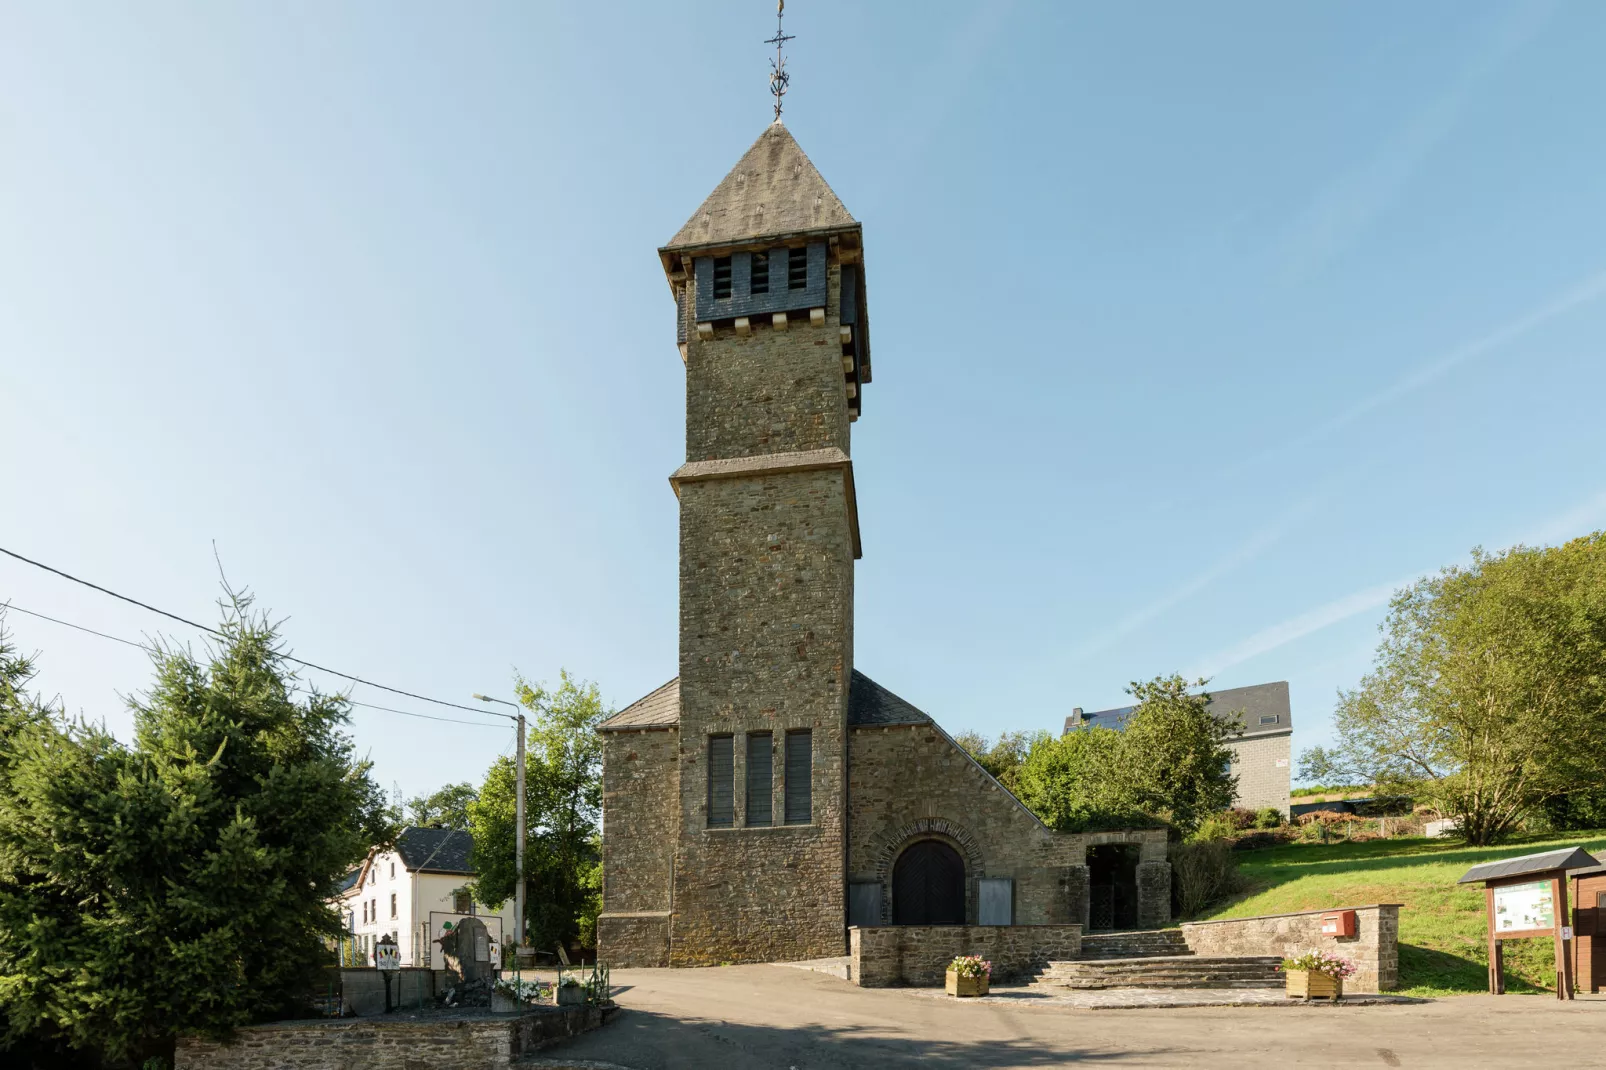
768,282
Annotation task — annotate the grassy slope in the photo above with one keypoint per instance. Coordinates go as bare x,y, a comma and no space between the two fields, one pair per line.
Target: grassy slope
1442,933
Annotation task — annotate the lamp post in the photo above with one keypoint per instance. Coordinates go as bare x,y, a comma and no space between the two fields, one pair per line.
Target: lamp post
518,809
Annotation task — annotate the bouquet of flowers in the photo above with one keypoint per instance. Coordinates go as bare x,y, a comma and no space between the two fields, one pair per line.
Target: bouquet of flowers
1335,966
970,966
523,991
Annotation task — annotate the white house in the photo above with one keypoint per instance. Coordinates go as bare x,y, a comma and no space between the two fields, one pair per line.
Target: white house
417,892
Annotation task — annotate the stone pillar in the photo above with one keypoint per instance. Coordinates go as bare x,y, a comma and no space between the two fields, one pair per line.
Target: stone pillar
1154,894
1076,900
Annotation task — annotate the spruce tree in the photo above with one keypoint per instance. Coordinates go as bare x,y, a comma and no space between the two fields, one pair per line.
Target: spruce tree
182,884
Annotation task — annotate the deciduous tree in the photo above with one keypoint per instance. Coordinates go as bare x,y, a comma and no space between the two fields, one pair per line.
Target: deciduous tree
1169,765
1487,696
563,805
446,808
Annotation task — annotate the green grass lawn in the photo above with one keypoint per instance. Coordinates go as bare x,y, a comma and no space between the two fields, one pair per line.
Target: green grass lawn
1443,939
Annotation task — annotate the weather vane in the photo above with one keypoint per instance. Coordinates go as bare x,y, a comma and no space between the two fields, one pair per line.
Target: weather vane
778,76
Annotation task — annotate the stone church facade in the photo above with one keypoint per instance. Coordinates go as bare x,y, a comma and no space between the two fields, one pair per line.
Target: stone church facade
771,795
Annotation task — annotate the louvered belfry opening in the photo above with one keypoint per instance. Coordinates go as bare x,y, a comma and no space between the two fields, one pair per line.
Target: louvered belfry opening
721,786
759,278
722,278
799,775
928,885
797,269
760,808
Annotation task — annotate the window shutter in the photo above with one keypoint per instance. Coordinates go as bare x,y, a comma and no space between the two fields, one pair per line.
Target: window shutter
799,770
864,903
760,778
721,782
997,902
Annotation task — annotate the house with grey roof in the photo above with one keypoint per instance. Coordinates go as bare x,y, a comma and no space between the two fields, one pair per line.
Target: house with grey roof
1262,750
416,893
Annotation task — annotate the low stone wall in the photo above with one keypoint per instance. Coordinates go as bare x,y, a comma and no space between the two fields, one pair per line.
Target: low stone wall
1374,947
468,1042
919,954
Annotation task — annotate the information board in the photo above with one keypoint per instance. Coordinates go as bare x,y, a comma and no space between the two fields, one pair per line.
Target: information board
387,956
1518,907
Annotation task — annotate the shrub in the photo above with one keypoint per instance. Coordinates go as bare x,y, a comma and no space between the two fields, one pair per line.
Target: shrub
1202,873
1216,828
1240,817
1268,817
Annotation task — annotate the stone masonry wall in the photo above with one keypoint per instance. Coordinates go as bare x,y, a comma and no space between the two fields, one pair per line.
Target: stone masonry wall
459,1043
910,782
1261,781
349,1043
919,954
769,392
641,804
766,644
1374,947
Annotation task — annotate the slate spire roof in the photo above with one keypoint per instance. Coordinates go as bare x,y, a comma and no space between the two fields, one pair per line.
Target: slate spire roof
774,189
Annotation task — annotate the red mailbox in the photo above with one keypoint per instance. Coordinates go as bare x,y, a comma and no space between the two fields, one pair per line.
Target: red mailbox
1338,923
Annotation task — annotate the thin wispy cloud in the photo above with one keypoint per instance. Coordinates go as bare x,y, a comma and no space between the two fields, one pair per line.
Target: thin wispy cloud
1588,515
1307,623
1585,291
1249,550
1347,206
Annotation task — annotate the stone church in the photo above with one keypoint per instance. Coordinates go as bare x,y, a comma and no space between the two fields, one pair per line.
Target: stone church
772,795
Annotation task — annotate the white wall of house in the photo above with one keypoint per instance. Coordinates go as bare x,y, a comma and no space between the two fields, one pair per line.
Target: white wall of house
396,902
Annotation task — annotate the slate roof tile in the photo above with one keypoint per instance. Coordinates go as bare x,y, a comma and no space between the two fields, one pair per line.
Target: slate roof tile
774,189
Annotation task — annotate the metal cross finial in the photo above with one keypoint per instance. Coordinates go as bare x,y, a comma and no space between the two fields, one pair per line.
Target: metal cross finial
779,79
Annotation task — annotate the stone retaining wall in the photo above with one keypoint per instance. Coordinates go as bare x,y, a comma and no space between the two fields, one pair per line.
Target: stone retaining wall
1374,947
919,954
479,1042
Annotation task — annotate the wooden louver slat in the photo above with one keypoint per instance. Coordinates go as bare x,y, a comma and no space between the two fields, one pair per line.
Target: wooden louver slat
799,771
760,779
721,776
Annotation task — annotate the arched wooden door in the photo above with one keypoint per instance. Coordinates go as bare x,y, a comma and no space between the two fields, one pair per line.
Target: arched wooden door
928,885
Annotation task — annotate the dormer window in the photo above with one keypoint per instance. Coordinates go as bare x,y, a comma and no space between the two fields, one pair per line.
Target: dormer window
761,274
797,269
722,278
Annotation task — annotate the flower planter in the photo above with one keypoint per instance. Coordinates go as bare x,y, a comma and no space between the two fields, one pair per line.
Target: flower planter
571,995
1311,984
966,986
501,1003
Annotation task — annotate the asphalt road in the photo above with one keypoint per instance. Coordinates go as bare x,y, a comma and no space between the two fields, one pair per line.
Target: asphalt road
736,1017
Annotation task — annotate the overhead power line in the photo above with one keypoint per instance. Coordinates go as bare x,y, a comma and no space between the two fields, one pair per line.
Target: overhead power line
220,635
13,607
70,624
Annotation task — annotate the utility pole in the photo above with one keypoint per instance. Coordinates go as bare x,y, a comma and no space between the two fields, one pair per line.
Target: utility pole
518,809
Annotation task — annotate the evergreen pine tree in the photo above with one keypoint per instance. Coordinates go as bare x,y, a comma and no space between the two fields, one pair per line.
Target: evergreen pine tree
182,884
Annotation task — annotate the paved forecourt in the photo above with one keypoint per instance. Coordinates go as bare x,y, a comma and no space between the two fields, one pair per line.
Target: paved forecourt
771,1016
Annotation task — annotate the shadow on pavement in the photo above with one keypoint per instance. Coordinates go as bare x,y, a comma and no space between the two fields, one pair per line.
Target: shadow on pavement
643,1040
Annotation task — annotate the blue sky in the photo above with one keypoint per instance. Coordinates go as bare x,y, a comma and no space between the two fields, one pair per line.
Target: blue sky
1199,328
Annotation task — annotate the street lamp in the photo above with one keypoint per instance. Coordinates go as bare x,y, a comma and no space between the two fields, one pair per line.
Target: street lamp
518,807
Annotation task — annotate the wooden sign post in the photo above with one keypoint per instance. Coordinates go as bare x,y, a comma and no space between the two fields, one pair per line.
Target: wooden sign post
1526,898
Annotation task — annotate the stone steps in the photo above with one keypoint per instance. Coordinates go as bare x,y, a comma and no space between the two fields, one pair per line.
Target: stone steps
1163,971
1135,944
